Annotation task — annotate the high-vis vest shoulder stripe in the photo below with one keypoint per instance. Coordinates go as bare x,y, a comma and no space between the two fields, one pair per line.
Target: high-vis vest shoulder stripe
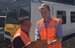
23,36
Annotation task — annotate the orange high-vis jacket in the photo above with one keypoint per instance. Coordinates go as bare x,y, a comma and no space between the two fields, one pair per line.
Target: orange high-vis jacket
26,40
49,33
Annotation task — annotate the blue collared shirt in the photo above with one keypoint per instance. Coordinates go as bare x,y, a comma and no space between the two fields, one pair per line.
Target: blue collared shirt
59,32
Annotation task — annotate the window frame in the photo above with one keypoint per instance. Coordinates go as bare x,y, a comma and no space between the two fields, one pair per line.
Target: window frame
63,16
72,21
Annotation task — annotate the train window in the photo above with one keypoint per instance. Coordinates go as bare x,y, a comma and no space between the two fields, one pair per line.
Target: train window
62,14
2,22
2,12
12,16
24,12
72,17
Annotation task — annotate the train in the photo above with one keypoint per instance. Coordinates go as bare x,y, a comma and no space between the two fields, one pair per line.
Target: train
64,11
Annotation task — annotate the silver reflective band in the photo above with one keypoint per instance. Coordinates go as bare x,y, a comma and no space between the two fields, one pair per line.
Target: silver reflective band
50,41
28,43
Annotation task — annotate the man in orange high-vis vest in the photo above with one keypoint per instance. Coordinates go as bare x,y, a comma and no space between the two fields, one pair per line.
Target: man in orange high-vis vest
49,28
21,38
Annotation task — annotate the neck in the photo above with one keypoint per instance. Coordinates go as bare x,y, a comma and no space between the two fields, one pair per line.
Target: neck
47,19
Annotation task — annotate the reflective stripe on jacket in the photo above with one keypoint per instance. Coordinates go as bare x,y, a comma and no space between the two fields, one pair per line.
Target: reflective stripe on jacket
24,36
49,32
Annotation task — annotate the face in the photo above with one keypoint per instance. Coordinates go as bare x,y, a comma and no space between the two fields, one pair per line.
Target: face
26,26
45,13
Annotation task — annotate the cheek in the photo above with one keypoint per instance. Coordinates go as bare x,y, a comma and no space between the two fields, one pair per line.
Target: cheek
27,28
47,13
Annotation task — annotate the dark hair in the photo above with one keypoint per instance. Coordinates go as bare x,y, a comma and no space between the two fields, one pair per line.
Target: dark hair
22,20
24,16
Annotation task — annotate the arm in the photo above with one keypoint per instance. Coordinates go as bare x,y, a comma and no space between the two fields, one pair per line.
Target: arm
37,35
18,43
59,33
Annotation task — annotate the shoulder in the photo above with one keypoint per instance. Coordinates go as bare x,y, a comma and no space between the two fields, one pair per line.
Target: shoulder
57,20
17,39
17,35
39,21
